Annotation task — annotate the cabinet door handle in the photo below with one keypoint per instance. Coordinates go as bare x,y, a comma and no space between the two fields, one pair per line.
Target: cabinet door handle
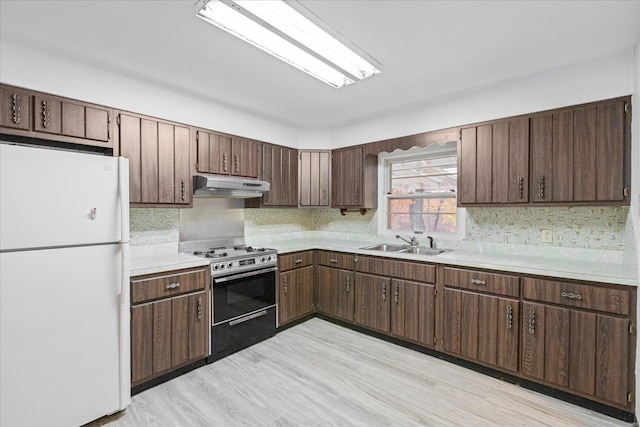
46,105
396,294
355,258
236,161
478,282
199,308
284,278
324,197
183,191
541,187
348,283
173,285
224,162
570,295
509,316
532,322
357,195
384,291
15,106
521,187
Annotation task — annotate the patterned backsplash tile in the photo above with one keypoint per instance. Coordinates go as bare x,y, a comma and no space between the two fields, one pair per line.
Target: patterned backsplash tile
575,227
154,226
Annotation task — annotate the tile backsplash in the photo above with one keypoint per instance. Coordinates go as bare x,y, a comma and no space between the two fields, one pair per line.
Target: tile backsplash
154,226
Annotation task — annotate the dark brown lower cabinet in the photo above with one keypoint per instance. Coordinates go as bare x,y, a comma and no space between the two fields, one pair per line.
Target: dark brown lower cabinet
481,327
169,322
583,351
295,294
372,302
412,311
336,292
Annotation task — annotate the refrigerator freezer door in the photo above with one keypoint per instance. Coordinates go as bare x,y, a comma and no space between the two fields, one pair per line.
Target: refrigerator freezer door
60,323
53,198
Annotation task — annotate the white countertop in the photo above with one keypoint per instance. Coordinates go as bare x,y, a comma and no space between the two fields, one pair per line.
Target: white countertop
563,268
156,259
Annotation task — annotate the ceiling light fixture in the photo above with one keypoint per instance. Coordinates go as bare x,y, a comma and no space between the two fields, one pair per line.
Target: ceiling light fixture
286,31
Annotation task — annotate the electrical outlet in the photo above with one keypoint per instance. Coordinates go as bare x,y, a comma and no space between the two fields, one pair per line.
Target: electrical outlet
547,236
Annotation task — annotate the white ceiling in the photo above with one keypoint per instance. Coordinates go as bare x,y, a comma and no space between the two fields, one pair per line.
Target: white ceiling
428,49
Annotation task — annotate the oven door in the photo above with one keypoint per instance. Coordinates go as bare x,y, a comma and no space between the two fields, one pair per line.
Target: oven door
237,295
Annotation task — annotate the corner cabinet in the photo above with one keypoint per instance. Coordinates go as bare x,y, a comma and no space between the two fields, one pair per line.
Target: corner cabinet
170,322
296,296
48,117
159,160
314,175
353,179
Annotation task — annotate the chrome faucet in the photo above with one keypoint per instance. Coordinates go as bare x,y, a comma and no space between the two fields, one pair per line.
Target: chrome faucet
412,242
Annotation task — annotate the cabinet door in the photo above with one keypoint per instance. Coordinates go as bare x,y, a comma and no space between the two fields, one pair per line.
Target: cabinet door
15,108
279,167
141,342
182,177
130,147
426,314
372,301
214,153
347,177
335,292
494,163
314,172
245,157
190,328
295,294
47,115
406,309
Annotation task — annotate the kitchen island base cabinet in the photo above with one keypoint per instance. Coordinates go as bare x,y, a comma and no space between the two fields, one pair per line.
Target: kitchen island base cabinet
169,322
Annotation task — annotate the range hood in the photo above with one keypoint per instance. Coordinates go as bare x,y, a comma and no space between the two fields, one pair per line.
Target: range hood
223,186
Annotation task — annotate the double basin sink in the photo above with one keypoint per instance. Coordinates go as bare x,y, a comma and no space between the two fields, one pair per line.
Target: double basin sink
404,249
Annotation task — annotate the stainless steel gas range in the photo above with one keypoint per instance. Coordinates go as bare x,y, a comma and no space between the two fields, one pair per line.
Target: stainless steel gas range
243,294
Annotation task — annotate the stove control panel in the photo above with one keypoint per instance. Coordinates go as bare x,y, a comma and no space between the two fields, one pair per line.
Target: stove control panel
243,263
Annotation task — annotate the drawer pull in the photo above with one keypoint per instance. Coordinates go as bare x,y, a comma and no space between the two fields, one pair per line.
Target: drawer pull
478,282
173,285
297,261
571,295
333,260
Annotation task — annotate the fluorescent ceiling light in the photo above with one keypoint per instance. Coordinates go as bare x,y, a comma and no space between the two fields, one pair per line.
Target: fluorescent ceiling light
279,29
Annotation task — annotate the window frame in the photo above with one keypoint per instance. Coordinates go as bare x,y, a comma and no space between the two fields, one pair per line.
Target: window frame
384,185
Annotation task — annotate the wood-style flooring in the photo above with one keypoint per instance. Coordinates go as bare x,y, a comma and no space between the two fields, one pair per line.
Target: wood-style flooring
321,374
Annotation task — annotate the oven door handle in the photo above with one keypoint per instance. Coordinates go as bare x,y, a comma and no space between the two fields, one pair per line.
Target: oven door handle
243,275
249,317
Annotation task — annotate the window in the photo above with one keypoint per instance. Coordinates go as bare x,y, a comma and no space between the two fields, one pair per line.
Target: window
420,190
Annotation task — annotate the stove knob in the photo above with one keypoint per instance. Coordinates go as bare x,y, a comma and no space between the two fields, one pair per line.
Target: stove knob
221,266
215,266
262,259
269,258
230,265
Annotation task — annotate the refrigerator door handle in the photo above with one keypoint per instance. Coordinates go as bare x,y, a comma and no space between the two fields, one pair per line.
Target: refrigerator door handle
123,191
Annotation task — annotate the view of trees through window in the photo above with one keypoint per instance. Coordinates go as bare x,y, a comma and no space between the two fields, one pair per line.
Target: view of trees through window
422,193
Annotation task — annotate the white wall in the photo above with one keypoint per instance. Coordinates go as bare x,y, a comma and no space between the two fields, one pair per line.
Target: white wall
590,81
62,73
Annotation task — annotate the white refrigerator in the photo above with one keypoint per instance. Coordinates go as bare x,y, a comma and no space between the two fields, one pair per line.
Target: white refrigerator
64,286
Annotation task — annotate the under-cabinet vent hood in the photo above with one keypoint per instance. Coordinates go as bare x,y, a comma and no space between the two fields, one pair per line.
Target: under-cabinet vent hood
222,186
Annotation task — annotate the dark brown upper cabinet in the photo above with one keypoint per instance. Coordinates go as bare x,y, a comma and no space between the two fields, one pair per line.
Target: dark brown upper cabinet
43,116
314,176
353,179
493,163
581,154
227,155
245,157
159,160
280,168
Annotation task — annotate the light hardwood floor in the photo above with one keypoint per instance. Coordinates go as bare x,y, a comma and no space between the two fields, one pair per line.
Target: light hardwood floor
321,374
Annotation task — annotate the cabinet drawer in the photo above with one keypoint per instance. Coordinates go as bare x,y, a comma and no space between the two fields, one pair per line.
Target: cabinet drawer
295,260
502,284
591,297
336,260
416,271
167,285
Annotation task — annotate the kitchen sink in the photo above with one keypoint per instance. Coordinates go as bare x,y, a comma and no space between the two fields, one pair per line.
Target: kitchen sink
405,249
385,247
422,250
